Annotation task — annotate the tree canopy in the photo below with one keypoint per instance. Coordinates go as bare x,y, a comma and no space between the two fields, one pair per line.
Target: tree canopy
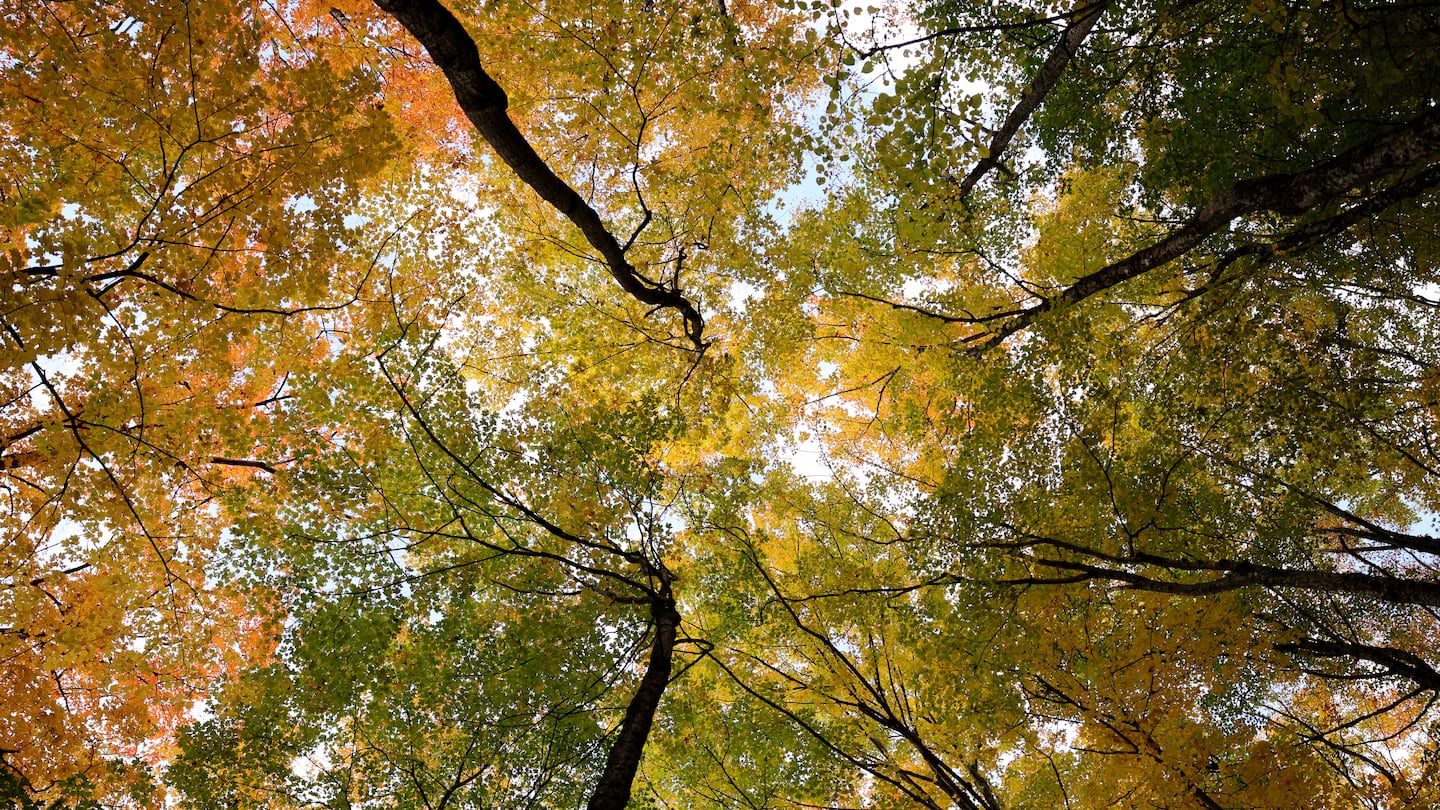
719,403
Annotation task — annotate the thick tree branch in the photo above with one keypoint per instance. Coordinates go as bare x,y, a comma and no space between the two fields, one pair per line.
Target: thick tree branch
1237,575
1394,661
1370,530
1074,34
485,103
244,462
1291,194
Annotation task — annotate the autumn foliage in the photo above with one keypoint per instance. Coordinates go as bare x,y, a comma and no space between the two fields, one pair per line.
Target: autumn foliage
719,403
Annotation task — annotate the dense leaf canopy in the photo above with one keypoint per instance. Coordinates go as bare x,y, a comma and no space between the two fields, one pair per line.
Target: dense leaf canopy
719,403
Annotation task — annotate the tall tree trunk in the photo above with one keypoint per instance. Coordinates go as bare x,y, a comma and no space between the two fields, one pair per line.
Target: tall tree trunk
613,790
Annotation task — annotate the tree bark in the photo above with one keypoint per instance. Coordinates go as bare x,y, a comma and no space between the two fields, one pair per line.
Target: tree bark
1397,662
1050,73
613,790
1290,194
485,103
1239,575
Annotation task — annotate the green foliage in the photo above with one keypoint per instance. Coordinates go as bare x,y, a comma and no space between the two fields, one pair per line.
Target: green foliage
1073,444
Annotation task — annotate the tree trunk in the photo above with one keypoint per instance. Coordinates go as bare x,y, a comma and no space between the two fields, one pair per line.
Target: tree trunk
613,791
